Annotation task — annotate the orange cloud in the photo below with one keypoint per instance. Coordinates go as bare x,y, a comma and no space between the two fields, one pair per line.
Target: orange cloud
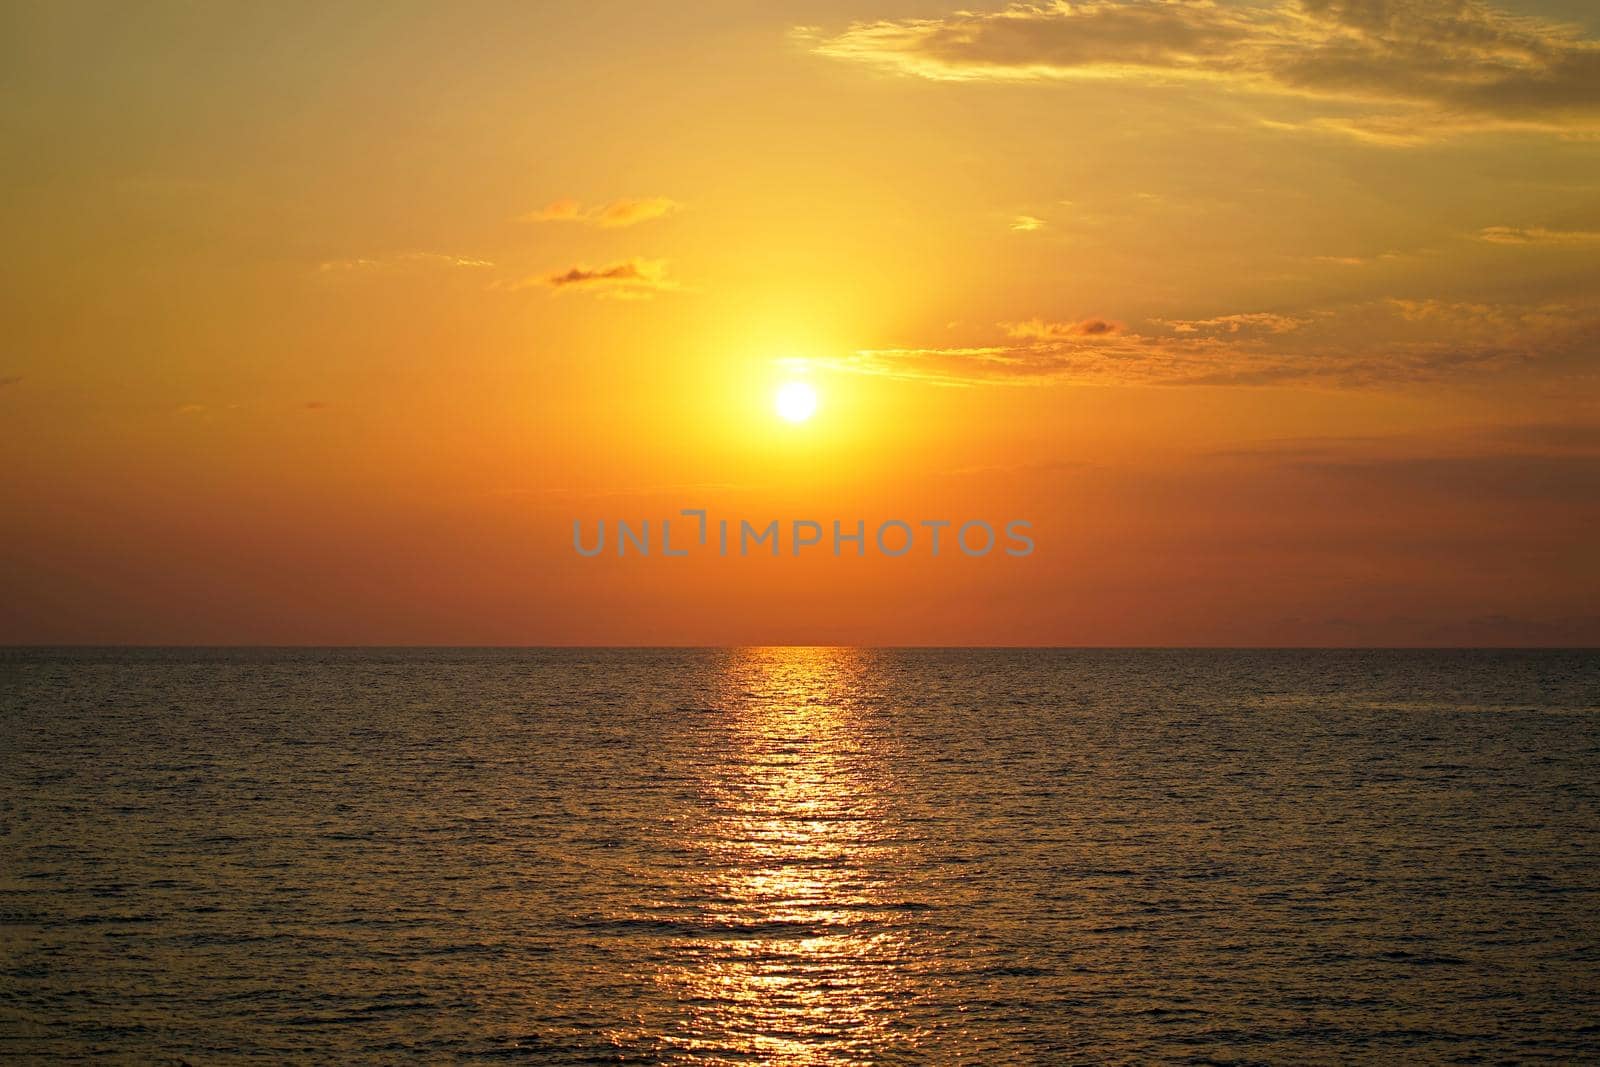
615,215
1432,66
1359,346
1537,235
556,211
1040,330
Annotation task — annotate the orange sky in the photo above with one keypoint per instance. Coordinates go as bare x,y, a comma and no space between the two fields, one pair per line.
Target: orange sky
1280,322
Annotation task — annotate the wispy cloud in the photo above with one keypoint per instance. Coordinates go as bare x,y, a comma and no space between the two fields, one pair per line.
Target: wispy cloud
630,279
401,262
1247,322
1458,318
1027,223
1384,342
1430,66
1537,235
618,213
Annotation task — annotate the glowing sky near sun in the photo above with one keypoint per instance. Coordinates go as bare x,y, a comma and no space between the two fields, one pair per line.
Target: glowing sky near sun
1279,321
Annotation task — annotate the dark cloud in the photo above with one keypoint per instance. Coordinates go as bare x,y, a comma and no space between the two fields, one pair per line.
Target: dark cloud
631,279
622,272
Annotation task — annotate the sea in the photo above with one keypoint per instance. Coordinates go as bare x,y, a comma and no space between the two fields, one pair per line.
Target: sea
799,856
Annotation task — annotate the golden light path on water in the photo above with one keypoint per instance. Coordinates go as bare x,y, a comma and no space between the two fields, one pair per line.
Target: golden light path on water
797,860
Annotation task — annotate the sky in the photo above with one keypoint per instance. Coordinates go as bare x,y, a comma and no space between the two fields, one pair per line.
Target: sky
324,323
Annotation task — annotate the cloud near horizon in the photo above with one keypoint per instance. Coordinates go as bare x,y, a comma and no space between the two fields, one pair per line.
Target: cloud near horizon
615,215
1445,64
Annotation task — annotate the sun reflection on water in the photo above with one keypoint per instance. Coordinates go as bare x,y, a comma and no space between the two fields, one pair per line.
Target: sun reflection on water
799,964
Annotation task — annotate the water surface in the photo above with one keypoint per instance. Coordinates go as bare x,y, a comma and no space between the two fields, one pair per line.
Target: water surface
799,856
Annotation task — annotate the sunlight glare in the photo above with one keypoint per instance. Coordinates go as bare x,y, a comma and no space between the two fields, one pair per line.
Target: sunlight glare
796,401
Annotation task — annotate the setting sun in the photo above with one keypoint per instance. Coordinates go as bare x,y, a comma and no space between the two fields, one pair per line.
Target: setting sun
796,401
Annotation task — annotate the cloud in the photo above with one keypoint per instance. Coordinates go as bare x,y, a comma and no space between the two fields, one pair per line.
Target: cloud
1027,224
1466,319
618,213
631,279
401,262
1263,321
628,212
1040,330
1386,342
1427,66
1537,235
1129,359
556,211
12,379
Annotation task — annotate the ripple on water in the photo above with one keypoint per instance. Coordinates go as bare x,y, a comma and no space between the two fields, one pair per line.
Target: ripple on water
799,855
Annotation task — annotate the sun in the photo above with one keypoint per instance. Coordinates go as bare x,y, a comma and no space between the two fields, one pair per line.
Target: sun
796,401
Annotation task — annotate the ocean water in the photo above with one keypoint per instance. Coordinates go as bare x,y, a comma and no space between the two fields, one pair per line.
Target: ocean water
798,856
